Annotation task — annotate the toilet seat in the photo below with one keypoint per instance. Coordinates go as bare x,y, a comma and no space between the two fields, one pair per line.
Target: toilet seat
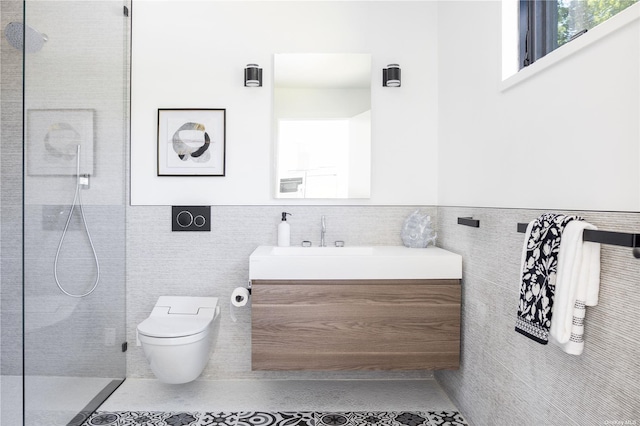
173,326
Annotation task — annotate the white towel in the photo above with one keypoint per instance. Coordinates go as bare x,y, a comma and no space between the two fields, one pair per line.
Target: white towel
577,286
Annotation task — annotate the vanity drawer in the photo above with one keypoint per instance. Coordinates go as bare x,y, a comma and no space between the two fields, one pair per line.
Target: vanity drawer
355,324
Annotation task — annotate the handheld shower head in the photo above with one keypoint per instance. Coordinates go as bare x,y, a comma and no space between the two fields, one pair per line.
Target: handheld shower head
17,32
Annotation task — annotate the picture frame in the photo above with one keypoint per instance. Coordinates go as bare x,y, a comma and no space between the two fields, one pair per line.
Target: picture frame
191,142
53,137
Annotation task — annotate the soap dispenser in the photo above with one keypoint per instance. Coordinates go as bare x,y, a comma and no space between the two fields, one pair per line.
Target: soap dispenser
284,231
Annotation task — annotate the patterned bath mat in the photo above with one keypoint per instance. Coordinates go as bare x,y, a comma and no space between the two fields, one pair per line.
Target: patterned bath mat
257,418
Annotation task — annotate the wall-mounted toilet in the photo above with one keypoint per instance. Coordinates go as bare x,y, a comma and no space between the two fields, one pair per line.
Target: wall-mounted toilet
178,336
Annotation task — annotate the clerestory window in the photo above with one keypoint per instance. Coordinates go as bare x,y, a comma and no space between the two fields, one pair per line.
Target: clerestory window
545,25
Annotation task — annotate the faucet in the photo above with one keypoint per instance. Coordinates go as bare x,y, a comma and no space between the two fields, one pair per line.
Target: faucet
322,232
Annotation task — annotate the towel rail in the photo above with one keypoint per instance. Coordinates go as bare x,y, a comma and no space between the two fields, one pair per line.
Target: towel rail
469,221
605,237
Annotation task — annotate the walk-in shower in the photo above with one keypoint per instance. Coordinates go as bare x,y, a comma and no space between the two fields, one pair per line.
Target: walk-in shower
64,107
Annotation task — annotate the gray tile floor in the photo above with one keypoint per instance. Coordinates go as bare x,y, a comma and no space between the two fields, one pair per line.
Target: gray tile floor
280,395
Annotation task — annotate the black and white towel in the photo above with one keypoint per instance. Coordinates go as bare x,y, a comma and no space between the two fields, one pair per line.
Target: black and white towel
539,269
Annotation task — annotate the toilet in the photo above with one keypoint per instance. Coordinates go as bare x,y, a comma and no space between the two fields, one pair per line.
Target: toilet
178,336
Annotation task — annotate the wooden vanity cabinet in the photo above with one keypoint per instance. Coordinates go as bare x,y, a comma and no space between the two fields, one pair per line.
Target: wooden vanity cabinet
355,324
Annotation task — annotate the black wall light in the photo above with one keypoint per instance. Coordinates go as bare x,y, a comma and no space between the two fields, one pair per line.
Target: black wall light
391,76
253,76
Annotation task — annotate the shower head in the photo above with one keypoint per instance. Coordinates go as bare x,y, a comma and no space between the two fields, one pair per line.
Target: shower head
16,32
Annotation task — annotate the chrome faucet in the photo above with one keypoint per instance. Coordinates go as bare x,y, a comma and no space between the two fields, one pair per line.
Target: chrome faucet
322,232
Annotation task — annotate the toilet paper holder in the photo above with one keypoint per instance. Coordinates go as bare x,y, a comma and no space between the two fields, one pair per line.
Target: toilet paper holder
239,297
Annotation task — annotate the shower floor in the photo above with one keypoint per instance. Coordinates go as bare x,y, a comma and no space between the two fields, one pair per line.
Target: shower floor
144,402
50,400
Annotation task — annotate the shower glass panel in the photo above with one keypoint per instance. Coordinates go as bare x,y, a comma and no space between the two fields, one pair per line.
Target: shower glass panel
75,142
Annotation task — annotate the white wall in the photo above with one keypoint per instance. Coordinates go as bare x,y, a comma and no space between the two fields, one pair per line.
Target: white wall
192,55
567,137
359,154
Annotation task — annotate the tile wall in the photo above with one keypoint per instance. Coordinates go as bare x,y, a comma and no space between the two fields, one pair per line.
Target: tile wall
161,262
11,199
10,217
506,378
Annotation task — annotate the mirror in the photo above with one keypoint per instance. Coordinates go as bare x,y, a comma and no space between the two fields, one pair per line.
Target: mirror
322,122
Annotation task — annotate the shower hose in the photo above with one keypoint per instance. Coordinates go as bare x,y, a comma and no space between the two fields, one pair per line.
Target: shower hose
77,201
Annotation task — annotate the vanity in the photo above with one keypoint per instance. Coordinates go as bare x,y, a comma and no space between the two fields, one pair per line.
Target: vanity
355,308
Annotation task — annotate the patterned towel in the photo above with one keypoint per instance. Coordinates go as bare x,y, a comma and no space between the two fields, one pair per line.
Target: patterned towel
539,268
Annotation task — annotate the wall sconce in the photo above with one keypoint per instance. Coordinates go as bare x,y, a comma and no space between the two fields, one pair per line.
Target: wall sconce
391,76
253,76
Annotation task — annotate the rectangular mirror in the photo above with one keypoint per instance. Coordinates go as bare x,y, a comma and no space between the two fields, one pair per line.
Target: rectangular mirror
322,122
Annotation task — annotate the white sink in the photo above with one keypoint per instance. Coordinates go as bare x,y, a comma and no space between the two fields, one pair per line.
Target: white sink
321,251
357,262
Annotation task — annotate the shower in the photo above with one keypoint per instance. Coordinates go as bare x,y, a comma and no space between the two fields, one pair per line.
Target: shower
77,201
63,354
17,32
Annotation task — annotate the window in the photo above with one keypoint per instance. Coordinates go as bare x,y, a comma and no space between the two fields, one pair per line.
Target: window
546,25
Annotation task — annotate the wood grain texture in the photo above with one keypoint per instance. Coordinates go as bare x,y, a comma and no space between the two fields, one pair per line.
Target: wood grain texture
355,325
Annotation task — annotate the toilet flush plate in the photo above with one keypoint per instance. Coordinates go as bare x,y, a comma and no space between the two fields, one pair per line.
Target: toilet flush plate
191,218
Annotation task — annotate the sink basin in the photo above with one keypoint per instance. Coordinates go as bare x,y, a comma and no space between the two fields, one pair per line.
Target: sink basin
321,251
356,262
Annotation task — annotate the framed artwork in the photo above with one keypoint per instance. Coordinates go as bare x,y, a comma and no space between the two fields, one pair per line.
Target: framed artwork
191,142
55,139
